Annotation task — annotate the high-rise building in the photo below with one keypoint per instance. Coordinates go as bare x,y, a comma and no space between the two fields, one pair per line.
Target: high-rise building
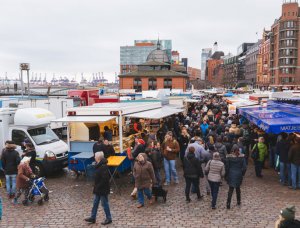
131,56
284,53
263,62
251,64
205,55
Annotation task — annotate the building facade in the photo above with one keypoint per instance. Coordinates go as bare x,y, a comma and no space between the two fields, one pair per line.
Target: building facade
230,79
131,56
194,73
205,55
155,73
213,75
251,64
285,55
263,67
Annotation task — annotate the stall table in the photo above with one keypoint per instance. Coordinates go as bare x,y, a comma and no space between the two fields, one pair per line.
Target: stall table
115,162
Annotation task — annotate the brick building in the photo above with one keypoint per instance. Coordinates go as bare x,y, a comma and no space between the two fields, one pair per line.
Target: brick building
263,62
212,63
194,73
155,73
285,55
251,64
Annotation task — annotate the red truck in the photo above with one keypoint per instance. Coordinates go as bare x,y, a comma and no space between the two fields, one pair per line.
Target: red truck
90,97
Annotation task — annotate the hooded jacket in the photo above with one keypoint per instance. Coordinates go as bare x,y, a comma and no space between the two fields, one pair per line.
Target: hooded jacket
221,148
102,177
235,170
192,166
24,173
143,173
10,160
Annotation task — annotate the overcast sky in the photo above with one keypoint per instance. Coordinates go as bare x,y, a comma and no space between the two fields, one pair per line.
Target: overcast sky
67,37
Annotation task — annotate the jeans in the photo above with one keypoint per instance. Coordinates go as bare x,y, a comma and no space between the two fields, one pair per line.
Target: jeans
141,192
238,195
258,168
104,204
157,176
11,184
188,183
295,172
285,173
170,169
214,188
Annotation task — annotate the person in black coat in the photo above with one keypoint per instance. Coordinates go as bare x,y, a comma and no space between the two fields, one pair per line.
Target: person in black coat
282,150
10,160
235,171
108,149
192,171
30,152
101,189
156,158
98,146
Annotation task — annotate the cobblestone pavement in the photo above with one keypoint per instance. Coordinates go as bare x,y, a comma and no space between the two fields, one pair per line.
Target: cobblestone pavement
71,202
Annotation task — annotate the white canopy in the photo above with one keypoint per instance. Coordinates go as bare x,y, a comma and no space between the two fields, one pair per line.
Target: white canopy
156,113
86,119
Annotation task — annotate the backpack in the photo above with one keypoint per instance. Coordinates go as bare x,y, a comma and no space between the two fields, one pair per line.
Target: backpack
290,224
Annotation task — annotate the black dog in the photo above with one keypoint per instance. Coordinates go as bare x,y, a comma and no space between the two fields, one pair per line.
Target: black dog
158,191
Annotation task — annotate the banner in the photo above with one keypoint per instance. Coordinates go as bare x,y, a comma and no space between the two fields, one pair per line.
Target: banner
231,109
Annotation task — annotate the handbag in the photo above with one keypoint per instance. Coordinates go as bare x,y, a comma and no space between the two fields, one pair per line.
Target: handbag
207,172
255,152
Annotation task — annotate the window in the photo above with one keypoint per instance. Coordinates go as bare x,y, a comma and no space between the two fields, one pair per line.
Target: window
43,135
18,136
152,84
137,84
168,83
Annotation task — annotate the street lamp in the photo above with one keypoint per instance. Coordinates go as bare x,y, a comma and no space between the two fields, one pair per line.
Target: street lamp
24,67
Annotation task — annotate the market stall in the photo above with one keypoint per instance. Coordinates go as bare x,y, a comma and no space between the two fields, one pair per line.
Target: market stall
86,125
275,118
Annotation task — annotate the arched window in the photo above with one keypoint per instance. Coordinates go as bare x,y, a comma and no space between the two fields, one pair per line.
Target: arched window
152,83
137,84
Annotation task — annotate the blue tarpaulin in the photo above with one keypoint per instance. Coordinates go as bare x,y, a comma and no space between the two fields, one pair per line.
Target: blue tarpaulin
229,94
275,118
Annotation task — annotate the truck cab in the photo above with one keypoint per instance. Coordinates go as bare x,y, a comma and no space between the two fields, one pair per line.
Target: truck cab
33,124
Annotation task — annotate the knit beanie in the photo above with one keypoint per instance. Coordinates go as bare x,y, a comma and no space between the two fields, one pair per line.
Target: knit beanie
288,213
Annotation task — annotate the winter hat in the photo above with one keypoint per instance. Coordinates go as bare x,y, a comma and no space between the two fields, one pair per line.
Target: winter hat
141,141
288,213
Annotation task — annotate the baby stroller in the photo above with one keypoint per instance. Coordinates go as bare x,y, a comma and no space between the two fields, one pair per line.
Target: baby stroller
38,188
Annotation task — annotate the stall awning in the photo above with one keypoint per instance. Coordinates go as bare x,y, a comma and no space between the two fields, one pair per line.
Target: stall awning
273,119
86,119
156,113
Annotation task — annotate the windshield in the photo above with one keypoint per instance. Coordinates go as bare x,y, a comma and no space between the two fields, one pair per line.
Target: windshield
43,135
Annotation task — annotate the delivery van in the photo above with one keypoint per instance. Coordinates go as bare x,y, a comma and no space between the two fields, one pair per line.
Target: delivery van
33,124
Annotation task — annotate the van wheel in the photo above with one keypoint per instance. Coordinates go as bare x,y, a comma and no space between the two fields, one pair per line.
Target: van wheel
39,170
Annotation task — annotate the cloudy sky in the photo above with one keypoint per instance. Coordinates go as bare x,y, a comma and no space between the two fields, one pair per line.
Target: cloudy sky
68,37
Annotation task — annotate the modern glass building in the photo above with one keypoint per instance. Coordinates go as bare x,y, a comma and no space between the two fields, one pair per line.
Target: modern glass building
205,55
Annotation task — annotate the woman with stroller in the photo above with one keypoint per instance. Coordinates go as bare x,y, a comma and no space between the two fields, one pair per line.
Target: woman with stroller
23,178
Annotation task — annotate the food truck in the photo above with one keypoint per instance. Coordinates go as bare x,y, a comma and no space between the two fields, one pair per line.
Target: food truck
86,125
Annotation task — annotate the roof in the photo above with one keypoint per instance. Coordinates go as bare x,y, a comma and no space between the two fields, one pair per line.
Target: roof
158,55
155,73
154,63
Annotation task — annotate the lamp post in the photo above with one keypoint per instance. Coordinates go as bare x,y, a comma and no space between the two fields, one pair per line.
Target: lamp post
24,67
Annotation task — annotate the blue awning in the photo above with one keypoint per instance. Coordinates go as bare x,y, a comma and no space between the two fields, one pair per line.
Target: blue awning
274,119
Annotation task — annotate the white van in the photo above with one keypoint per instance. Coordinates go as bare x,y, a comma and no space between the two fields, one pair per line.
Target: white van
32,124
